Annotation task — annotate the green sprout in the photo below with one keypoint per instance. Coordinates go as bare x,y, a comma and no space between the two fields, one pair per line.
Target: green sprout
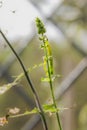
48,60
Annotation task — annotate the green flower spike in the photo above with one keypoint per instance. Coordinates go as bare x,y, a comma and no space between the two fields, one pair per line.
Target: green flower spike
40,26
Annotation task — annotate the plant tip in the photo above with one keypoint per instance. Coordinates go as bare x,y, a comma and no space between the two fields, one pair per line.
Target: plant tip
40,26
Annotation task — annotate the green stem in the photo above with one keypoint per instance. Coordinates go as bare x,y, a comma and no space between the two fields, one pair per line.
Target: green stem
41,112
50,82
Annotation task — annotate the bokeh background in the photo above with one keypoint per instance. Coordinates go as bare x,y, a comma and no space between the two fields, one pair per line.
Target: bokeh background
66,23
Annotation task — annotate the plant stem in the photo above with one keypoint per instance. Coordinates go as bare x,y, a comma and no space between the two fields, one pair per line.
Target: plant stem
41,112
50,81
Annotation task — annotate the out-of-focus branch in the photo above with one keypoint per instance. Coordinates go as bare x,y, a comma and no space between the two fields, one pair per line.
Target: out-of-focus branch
71,78
69,40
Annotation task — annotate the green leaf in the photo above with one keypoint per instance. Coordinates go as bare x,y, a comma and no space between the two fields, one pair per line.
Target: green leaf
50,108
45,79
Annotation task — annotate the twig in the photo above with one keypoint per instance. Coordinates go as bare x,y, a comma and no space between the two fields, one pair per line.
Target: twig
29,82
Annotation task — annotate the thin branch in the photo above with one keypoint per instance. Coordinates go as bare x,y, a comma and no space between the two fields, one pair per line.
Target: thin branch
29,82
